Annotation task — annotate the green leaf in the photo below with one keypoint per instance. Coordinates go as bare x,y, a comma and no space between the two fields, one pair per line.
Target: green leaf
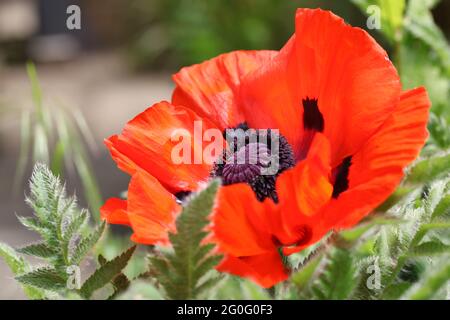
106,273
140,290
184,272
338,278
419,21
302,277
396,291
391,15
442,210
90,186
429,169
68,129
18,266
71,227
35,87
43,278
429,248
40,250
77,254
25,142
57,161
238,288
431,283
72,219
14,262
120,283
32,224
357,232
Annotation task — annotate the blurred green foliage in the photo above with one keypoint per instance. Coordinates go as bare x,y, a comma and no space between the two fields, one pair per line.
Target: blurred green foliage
422,56
175,33
59,137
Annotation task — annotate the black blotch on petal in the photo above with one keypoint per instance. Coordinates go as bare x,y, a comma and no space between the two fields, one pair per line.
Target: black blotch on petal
181,196
312,118
341,177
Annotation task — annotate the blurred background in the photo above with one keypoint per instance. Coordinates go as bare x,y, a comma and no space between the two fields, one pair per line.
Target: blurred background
63,91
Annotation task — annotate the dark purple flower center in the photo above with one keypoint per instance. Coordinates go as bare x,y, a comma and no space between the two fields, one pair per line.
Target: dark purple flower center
255,157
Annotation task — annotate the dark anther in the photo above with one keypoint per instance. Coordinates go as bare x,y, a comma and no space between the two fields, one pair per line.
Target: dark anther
312,118
340,174
250,159
264,187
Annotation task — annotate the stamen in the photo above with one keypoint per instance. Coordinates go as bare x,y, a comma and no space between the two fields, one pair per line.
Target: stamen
246,164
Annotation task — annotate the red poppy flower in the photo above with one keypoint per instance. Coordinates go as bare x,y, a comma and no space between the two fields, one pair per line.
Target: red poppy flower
346,132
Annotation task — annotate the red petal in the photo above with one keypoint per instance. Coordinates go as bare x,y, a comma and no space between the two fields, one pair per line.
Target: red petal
146,143
210,88
343,67
304,192
152,210
239,222
114,211
265,269
377,168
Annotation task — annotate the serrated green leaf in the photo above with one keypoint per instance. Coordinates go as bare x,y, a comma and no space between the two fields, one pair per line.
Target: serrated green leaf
106,273
429,169
181,272
429,248
74,225
206,285
77,254
43,278
204,266
305,272
442,210
338,278
40,250
120,284
357,232
32,224
18,266
14,262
